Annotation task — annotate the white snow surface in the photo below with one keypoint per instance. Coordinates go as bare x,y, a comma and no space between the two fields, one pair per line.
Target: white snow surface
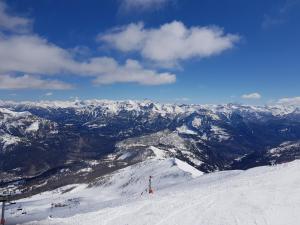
185,130
158,153
182,196
10,113
8,140
187,168
33,127
197,122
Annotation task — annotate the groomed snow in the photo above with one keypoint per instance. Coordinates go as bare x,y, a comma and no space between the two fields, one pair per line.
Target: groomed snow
259,196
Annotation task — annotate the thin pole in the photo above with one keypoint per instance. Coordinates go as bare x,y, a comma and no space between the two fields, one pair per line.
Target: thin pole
150,185
2,214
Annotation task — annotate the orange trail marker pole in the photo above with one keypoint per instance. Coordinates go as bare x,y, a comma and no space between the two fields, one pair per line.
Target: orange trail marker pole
150,185
2,222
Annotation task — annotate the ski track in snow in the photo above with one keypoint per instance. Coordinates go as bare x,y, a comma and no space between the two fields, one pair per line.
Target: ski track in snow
259,196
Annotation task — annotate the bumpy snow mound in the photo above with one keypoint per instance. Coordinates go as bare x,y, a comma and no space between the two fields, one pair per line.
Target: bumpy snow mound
259,196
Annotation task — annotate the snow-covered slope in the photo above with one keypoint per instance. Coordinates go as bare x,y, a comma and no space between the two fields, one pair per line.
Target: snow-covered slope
128,184
182,196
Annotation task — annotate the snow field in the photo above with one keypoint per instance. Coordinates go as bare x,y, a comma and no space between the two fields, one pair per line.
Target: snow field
182,196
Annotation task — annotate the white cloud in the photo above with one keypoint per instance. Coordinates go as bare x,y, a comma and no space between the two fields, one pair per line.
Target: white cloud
289,101
171,42
12,23
127,38
127,5
30,54
30,82
132,71
252,96
34,55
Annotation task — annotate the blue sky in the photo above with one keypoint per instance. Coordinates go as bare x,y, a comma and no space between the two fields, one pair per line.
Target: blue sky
187,51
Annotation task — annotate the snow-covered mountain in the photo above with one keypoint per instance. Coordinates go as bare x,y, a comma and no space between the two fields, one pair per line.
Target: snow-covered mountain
21,127
182,195
49,144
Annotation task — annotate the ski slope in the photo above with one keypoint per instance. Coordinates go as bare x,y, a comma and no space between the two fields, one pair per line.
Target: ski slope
183,196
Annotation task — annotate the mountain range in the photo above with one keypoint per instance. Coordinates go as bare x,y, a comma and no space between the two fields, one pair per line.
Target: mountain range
49,144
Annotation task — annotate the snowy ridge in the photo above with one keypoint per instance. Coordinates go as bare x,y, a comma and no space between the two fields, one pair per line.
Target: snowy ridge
115,107
109,106
9,114
8,140
19,127
285,146
160,145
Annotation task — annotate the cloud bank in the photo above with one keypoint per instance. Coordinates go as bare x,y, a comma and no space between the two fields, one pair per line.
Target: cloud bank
34,55
23,53
28,61
171,42
132,71
12,23
30,82
290,101
251,96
